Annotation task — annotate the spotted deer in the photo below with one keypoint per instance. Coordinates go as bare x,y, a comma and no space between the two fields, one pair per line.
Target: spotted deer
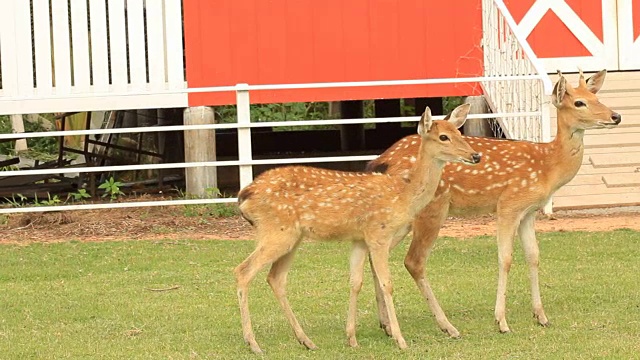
517,179
373,210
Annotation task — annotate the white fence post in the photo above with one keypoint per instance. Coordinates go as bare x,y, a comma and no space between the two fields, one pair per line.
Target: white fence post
244,133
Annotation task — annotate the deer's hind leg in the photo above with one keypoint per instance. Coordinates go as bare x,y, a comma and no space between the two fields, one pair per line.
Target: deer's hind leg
356,264
268,250
277,279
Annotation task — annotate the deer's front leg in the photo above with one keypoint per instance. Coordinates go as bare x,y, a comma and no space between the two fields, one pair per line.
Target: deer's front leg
527,234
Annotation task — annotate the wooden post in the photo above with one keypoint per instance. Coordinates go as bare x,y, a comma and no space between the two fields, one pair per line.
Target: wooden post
477,127
352,135
200,145
17,124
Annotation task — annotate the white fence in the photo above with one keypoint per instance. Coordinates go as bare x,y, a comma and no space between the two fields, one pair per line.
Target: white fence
529,78
63,55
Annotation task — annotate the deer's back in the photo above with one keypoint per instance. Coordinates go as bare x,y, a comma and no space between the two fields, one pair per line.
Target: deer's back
508,170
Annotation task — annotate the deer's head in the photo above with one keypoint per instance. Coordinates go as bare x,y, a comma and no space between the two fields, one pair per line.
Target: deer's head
444,139
582,104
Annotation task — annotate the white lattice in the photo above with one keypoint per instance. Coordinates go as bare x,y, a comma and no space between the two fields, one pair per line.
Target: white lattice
506,53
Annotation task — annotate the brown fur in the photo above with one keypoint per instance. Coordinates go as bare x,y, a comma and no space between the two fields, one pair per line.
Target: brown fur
372,210
515,180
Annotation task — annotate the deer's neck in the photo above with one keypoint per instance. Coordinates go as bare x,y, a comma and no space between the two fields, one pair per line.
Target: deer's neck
422,181
567,151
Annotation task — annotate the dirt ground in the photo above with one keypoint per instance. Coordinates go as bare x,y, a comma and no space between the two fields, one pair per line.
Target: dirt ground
176,223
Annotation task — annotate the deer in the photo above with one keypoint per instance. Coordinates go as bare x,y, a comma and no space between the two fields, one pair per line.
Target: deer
372,210
518,178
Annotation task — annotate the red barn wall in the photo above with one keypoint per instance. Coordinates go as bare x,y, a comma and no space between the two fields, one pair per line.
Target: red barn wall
307,41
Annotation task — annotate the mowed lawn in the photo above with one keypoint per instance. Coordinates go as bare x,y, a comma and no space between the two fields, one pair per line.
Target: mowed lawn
177,300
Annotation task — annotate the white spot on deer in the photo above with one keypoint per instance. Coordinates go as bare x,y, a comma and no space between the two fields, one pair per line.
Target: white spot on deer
533,175
489,177
305,170
268,190
474,172
494,148
459,168
412,159
488,168
441,183
466,171
451,179
414,142
523,183
307,216
458,187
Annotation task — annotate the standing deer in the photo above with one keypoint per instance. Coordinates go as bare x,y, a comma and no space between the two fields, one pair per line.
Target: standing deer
372,210
517,179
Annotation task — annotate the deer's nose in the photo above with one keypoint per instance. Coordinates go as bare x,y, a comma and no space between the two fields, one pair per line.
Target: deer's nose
476,158
617,118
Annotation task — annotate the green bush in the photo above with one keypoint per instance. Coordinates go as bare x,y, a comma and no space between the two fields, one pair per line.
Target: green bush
43,145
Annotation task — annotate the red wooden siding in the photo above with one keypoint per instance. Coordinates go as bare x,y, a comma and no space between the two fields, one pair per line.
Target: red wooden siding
305,41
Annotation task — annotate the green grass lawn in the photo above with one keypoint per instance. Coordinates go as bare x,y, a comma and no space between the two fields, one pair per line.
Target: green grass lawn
93,301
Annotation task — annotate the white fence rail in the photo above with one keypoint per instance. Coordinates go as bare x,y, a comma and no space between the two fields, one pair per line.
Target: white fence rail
118,54
162,81
507,53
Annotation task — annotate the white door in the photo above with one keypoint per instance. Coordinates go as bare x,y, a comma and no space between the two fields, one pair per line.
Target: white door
629,34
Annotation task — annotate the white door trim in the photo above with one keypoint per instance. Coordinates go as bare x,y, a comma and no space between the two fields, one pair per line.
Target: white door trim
629,47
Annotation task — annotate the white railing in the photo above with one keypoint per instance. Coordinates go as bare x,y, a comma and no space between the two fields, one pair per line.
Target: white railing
514,83
244,125
106,54
507,53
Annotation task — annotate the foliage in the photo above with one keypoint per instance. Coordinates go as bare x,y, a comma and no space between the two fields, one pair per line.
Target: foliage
16,203
158,300
80,195
37,146
216,210
50,201
111,188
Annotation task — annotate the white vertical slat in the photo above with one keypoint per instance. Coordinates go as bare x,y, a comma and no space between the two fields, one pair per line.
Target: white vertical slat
244,133
24,54
61,46
80,45
118,45
8,49
99,52
137,64
155,44
42,43
173,36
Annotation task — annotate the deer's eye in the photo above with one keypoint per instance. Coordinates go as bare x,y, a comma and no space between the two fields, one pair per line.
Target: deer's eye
579,103
444,138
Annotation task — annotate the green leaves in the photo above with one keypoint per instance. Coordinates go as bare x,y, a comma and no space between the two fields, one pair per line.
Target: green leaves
111,188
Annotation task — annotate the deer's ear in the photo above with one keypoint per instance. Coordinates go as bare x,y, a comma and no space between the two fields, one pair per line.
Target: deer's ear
425,122
559,91
459,115
594,83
